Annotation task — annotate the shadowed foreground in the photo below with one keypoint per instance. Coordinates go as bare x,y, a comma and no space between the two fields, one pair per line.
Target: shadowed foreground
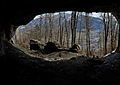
21,69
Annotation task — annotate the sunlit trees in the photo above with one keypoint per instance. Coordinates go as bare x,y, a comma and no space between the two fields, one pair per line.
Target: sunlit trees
74,19
106,21
67,31
75,27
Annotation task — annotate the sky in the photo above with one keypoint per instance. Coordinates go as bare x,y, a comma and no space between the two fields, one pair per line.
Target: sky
94,14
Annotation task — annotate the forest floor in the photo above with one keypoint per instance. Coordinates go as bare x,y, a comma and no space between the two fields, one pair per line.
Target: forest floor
23,69
54,56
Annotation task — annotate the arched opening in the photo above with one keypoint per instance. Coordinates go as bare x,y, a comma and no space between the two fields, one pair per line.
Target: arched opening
93,34
83,69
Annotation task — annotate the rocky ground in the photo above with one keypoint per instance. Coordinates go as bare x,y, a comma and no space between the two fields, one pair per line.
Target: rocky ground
22,69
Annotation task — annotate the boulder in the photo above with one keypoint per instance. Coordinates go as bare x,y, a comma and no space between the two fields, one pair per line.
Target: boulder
75,48
34,45
50,47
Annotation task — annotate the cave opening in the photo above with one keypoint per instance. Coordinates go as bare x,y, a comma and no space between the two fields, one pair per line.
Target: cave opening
23,61
64,64
95,35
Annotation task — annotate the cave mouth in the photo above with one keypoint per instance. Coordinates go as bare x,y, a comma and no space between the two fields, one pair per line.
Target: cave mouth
50,35
32,64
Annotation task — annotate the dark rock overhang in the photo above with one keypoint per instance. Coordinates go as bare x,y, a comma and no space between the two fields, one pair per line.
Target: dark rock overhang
20,12
24,10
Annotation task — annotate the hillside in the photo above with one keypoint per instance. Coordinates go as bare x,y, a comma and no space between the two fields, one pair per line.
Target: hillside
95,23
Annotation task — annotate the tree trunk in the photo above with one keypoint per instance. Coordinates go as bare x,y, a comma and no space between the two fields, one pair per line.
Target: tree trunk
87,34
106,29
116,35
73,27
118,47
60,27
46,28
66,31
51,26
112,33
80,29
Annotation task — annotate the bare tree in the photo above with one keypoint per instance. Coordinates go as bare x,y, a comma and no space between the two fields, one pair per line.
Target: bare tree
66,30
112,33
87,34
60,29
69,32
106,22
80,28
116,34
46,28
118,41
51,26
118,48
74,17
40,28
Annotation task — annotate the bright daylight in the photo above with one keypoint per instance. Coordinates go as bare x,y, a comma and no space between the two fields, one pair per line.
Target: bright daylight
68,34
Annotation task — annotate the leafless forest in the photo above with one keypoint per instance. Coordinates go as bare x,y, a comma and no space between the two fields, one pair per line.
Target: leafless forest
68,29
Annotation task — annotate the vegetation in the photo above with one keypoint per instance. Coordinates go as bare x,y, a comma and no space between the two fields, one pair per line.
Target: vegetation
69,30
